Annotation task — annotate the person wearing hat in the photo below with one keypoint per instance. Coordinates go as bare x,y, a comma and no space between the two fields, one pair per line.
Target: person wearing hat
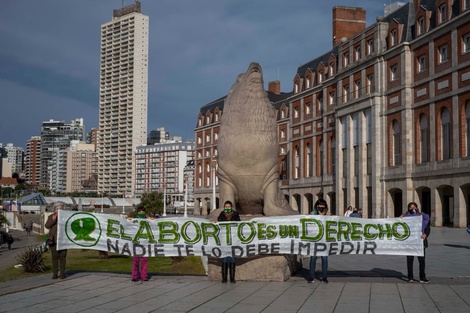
228,214
322,208
58,256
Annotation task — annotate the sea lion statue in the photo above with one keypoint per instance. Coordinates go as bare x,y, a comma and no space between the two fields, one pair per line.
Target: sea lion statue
248,149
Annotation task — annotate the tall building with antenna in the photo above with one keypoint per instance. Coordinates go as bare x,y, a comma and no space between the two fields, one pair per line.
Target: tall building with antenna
123,98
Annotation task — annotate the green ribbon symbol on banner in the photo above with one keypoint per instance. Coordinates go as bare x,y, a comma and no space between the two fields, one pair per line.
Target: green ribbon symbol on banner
82,228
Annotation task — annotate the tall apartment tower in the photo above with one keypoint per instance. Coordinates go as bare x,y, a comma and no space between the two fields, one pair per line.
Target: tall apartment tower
123,98
33,161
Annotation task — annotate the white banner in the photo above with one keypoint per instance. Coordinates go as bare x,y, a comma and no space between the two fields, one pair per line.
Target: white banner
295,234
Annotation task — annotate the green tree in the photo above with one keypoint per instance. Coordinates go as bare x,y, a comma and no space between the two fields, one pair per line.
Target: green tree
152,203
3,220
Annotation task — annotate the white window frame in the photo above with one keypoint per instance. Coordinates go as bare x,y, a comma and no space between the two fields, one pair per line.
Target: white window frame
394,37
421,25
345,93
357,52
332,97
394,72
346,59
320,76
308,108
466,43
370,82
296,112
308,82
370,46
357,88
442,13
422,63
443,54
396,141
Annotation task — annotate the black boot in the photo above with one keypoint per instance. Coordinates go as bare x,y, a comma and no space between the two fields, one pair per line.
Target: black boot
224,272
232,272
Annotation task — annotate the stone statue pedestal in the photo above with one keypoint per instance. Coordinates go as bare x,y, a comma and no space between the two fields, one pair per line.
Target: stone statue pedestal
258,268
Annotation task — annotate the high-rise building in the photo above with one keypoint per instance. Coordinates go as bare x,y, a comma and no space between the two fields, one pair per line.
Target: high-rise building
74,167
123,98
33,161
56,136
161,167
15,156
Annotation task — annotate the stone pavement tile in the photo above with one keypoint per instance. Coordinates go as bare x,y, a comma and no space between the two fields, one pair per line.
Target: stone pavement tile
247,308
463,292
386,306
445,299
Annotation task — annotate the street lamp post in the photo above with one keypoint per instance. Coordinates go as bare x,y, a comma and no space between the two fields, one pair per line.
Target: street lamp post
123,198
214,165
164,198
185,195
102,196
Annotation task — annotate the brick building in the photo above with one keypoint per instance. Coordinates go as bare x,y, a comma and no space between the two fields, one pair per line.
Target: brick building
381,119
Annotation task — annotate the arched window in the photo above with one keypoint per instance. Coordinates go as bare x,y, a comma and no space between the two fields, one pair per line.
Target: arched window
297,163
445,134
423,140
396,143
308,162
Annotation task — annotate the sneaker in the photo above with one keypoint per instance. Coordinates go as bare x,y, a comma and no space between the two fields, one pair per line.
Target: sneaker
62,276
410,280
310,280
134,280
424,281
324,280
145,280
55,276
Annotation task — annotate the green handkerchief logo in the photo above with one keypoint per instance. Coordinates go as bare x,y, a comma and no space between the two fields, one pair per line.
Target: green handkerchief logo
83,228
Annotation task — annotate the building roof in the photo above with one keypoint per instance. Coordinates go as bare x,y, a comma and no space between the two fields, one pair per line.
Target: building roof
8,181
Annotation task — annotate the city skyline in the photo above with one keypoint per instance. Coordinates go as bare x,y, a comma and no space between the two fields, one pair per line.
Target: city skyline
50,67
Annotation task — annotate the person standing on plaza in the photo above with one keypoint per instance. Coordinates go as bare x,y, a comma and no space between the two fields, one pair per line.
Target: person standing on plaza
9,241
322,208
140,263
413,210
58,256
228,214
348,212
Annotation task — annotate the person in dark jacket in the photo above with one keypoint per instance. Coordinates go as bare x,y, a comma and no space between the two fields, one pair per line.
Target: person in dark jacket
58,256
322,208
9,241
228,214
413,210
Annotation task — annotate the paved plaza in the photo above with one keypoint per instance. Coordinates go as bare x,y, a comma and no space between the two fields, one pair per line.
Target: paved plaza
356,284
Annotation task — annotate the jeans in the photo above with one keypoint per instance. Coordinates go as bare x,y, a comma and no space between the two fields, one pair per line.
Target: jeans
228,259
324,266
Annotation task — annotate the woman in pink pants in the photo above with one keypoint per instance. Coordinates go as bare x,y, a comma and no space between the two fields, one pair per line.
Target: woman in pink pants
140,263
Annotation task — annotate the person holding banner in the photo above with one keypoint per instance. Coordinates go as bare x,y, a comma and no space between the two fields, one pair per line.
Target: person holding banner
228,214
58,256
322,208
140,263
426,230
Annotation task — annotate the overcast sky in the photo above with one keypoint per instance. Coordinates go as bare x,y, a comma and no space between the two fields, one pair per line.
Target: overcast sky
49,55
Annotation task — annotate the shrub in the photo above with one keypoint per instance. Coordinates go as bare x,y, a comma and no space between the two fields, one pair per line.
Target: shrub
32,260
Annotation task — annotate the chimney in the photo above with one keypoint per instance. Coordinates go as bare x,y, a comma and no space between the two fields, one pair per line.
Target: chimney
275,87
347,22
